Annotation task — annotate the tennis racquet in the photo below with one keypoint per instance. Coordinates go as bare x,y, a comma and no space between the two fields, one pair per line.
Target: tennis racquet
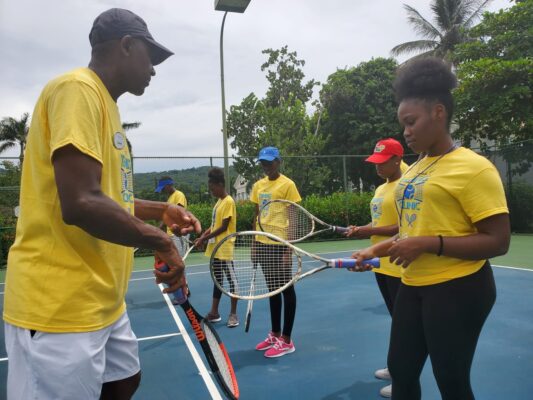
265,265
213,348
292,222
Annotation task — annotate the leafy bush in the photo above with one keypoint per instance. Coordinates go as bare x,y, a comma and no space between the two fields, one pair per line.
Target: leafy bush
7,236
336,209
520,200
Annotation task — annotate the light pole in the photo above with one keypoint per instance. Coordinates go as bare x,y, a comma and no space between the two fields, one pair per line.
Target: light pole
226,6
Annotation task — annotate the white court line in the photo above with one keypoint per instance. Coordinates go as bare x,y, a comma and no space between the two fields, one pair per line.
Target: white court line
158,337
507,267
211,387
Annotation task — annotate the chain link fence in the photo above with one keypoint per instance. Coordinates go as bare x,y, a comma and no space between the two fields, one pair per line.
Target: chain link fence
318,175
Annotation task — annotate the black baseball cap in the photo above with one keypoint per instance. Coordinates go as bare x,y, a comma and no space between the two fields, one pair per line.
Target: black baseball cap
116,23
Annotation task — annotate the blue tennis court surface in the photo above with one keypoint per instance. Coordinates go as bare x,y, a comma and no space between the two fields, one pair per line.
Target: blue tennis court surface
341,335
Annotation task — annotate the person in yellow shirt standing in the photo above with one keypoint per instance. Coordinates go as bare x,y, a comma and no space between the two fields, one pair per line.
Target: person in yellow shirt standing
387,157
223,223
166,185
271,256
453,217
67,333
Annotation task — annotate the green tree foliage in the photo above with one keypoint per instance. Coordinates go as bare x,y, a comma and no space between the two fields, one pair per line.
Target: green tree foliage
451,21
285,76
9,187
494,97
281,120
14,132
358,110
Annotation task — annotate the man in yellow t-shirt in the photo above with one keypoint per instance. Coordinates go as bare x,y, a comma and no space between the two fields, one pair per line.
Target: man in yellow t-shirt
223,223
270,256
67,332
166,185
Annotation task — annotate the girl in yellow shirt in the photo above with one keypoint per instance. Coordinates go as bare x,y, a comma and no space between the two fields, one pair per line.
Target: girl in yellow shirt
387,157
224,223
453,217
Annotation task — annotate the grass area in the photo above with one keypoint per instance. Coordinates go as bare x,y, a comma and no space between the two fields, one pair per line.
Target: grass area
518,255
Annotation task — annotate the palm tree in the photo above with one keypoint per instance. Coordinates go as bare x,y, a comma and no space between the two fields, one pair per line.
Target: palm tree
14,132
452,20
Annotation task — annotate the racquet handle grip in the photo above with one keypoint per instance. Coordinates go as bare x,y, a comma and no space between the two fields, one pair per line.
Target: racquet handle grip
351,262
340,229
178,295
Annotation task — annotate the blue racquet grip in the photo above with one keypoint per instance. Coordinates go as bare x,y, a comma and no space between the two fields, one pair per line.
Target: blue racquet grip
351,262
178,295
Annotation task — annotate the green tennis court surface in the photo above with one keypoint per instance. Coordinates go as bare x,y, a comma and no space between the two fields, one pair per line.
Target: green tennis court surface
341,334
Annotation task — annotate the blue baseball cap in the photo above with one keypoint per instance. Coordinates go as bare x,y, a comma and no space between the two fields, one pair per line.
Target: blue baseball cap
269,154
162,183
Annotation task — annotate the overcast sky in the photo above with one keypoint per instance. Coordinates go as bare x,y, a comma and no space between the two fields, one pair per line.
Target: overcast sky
180,110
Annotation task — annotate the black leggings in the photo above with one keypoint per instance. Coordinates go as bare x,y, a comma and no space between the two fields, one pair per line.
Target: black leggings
388,286
289,297
274,262
221,268
443,321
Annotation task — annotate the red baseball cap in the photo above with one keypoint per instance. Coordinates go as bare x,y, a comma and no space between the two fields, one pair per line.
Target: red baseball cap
384,150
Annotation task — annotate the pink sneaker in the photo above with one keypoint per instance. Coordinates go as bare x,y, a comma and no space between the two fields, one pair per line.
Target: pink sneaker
280,348
267,343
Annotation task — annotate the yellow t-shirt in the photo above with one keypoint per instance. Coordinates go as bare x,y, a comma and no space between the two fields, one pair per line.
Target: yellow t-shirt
222,210
176,198
265,190
446,197
60,278
384,213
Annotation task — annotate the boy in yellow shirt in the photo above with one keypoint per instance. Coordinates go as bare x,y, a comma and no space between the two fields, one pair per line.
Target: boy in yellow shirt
166,185
223,223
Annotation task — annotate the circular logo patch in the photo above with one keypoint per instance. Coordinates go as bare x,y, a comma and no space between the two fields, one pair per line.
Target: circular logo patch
118,140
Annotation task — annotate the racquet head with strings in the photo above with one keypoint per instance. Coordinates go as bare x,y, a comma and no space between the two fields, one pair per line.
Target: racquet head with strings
292,222
286,220
261,266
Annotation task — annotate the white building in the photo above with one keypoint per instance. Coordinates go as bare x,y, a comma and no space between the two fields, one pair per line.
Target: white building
241,190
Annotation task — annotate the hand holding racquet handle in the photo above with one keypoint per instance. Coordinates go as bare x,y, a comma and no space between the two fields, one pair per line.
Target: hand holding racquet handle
341,230
178,296
351,262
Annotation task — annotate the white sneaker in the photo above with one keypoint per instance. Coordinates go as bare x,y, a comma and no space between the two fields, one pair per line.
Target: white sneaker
233,321
383,374
386,391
